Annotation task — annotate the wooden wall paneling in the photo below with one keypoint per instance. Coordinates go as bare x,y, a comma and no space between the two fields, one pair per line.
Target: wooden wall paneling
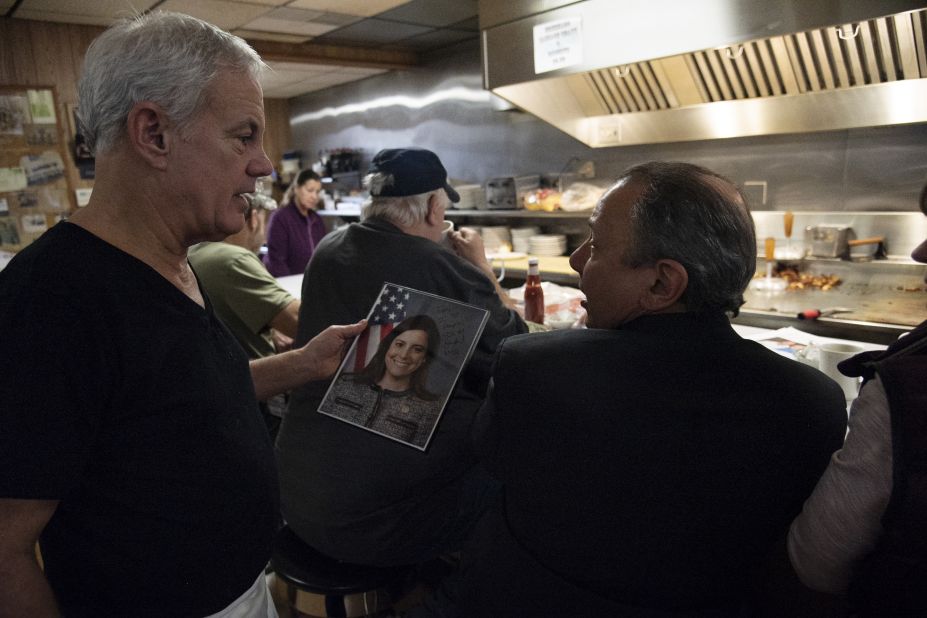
6,50
277,135
44,50
24,66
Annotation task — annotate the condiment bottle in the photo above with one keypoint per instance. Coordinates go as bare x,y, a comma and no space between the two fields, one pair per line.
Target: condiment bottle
787,222
770,256
534,294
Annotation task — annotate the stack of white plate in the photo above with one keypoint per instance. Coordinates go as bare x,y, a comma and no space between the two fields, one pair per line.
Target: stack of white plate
547,244
496,238
472,197
521,235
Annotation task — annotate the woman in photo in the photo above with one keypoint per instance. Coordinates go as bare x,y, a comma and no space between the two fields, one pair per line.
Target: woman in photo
390,395
296,228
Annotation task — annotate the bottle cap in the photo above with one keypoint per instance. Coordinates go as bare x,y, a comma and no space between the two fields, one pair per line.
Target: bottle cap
532,261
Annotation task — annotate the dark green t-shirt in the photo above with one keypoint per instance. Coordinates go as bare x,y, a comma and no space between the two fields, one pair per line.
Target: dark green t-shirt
245,296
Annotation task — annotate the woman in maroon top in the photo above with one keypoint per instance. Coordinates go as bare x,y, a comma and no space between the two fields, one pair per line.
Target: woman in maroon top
296,229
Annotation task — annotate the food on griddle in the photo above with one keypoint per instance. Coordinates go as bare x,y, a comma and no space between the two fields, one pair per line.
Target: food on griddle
807,281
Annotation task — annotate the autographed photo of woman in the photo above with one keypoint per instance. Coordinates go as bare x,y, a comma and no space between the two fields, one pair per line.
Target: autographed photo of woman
400,372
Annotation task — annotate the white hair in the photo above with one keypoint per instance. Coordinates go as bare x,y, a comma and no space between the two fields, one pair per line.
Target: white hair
168,58
405,211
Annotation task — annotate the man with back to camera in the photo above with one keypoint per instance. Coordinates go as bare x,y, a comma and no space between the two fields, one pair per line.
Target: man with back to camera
131,440
651,462
257,310
352,494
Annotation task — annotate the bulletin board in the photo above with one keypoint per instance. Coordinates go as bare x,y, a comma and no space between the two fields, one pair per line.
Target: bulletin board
34,191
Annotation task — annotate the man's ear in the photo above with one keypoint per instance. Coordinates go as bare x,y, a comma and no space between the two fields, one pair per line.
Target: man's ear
148,133
669,284
431,217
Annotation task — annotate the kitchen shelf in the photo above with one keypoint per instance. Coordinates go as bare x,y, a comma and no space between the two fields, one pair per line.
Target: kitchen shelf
453,213
520,214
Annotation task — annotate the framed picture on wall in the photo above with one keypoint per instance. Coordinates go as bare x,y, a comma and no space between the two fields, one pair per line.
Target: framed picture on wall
83,158
34,185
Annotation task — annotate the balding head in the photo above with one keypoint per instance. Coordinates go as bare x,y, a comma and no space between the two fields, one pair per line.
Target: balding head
700,219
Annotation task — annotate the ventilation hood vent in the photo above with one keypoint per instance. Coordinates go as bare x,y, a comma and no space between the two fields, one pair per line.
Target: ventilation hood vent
867,72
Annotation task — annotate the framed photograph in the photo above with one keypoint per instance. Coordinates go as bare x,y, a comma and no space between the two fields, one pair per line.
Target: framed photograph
399,373
83,158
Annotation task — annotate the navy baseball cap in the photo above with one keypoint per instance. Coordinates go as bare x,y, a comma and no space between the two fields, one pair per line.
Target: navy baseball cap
414,171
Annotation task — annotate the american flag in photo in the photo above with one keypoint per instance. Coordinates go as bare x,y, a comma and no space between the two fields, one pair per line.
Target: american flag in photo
389,311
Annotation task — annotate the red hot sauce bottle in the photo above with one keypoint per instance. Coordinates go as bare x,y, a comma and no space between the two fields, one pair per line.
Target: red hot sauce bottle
534,294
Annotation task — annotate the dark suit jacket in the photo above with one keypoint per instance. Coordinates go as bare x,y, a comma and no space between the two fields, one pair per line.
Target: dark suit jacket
647,470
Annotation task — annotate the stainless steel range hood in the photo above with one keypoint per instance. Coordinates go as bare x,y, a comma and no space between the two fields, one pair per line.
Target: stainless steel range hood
614,73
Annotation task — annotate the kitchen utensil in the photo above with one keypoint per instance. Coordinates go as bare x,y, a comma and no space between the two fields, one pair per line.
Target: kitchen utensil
828,240
813,314
867,248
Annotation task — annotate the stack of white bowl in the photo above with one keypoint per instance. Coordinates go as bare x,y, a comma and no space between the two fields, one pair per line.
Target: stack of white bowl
472,197
521,236
496,238
547,244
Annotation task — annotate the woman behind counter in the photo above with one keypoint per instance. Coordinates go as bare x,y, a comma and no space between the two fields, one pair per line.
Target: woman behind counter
296,229
390,395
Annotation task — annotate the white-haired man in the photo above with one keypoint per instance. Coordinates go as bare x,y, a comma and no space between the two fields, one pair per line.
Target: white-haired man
131,441
352,494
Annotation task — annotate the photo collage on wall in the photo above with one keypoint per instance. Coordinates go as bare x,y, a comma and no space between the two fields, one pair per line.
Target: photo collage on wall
33,186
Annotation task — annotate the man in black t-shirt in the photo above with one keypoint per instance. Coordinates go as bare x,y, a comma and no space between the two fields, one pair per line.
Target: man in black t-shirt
130,438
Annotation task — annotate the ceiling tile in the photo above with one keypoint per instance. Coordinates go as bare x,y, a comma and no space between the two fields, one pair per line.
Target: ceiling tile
364,8
227,15
373,32
472,24
294,14
336,19
267,2
432,12
432,40
101,8
271,36
65,18
305,28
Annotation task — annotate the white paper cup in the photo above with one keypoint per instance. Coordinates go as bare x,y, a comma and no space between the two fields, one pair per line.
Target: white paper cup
829,356
446,233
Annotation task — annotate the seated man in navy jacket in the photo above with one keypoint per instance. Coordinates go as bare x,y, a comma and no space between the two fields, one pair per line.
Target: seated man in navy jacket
650,462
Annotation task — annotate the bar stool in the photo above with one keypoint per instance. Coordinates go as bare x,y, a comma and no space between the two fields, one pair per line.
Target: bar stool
320,586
